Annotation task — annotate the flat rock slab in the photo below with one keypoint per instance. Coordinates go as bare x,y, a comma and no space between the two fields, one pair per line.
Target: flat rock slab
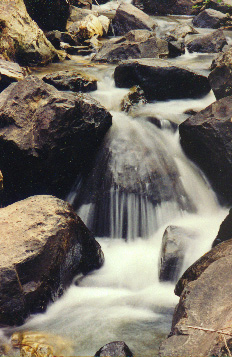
205,303
135,44
207,139
161,79
10,72
43,245
71,80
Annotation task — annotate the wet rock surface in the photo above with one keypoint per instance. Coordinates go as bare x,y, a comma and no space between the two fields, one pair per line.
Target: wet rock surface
46,136
133,98
212,43
44,244
71,80
166,7
21,39
135,44
174,243
114,349
204,304
206,139
220,77
128,17
161,79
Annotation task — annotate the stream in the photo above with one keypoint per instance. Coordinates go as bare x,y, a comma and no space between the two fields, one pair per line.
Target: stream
141,183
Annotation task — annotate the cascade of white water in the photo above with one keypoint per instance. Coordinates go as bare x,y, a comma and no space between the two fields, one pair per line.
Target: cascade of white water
141,178
141,183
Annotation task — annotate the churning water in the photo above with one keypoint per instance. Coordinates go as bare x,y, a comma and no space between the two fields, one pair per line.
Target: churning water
141,183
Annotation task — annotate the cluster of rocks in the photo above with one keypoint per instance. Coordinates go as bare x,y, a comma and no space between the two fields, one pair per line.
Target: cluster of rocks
50,130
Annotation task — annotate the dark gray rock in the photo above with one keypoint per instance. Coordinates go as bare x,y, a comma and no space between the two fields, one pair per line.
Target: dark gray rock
135,44
46,137
211,43
220,77
165,7
49,15
205,302
161,79
44,244
210,18
225,230
176,48
10,72
55,38
207,139
71,80
174,244
128,17
114,349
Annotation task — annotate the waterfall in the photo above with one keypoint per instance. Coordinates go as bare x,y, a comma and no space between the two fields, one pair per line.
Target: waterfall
141,178
141,182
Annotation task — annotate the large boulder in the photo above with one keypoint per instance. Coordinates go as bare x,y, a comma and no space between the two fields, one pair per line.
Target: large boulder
210,18
10,72
114,349
44,244
225,230
165,7
129,17
161,79
71,80
46,137
210,43
207,139
49,15
174,244
21,39
221,75
135,44
204,307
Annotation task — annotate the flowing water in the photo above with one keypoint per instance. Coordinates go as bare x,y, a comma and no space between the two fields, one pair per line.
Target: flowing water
141,183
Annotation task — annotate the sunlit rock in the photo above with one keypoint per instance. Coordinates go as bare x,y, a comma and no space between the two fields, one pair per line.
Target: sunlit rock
21,39
44,244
